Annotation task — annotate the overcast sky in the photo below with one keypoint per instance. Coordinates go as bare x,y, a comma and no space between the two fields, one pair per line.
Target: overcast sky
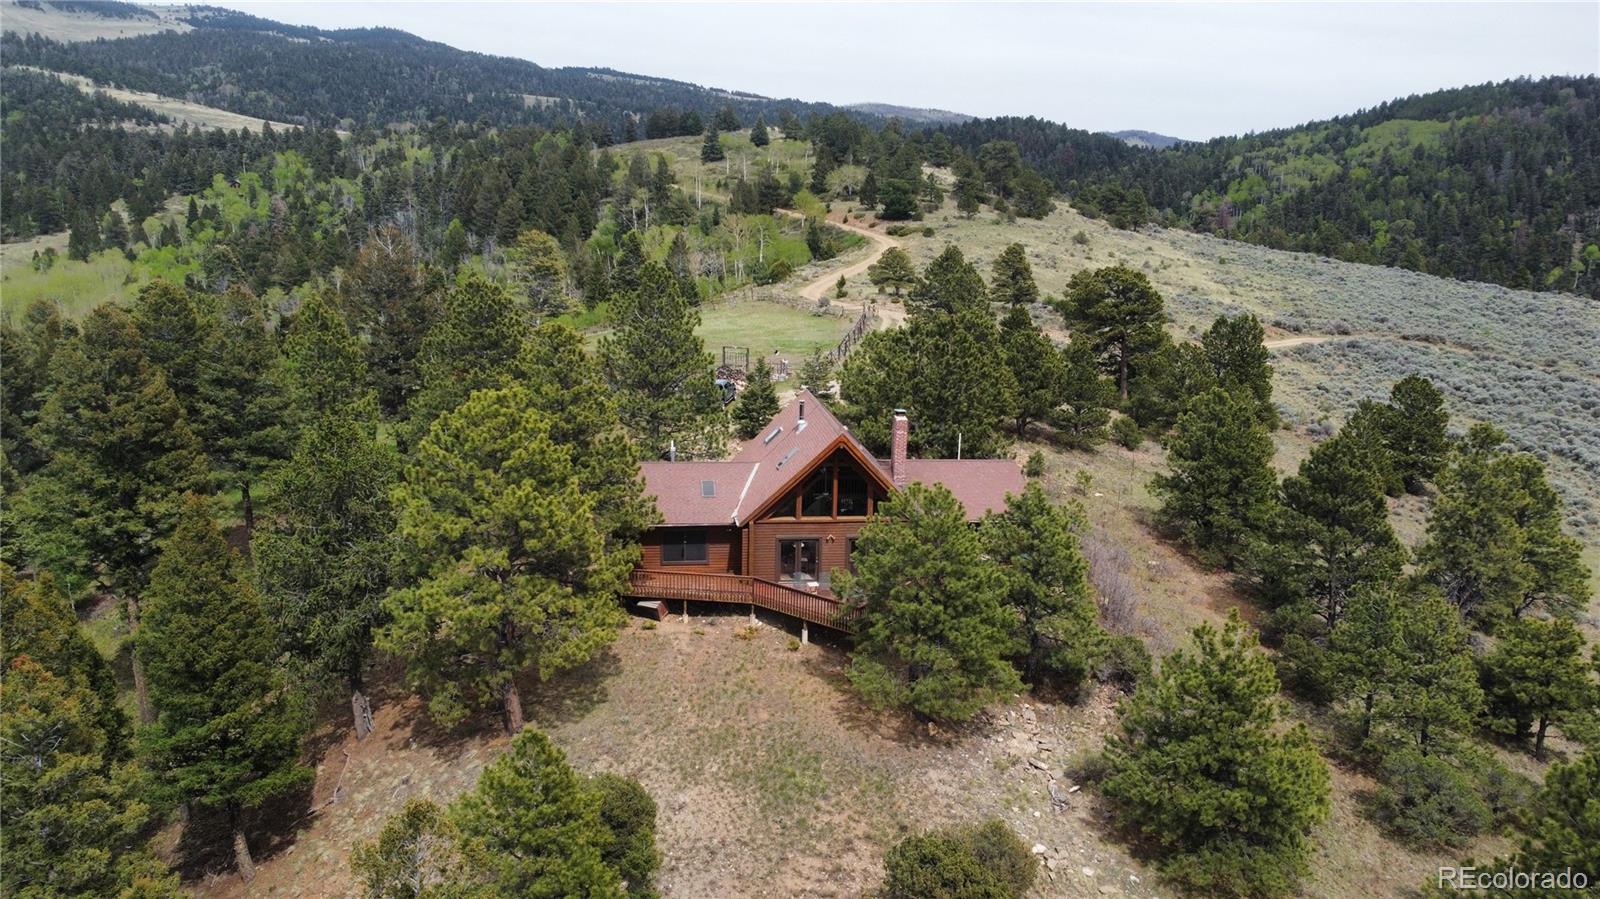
1192,70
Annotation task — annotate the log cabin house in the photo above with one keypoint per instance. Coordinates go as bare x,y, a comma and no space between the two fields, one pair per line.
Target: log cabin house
769,527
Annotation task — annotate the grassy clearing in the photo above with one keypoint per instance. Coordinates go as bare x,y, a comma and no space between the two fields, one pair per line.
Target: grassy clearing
74,287
745,318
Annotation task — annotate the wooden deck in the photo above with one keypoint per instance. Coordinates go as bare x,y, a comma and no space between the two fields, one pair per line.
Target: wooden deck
738,589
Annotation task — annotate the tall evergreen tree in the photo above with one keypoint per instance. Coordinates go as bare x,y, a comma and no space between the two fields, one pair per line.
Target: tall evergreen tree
1120,313
1201,768
1565,827
1038,368
1495,545
226,734
122,454
758,403
1166,381
325,560
1415,431
474,346
1236,349
1222,488
893,269
1086,398
1536,677
1013,278
324,363
39,624
1405,658
949,284
535,828
726,119
174,330
388,302
1332,536
243,397
74,815
934,634
511,570
758,133
539,269
658,366
1045,580
711,148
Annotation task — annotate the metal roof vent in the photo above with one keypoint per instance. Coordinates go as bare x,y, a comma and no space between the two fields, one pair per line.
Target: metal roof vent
789,455
773,435
708,488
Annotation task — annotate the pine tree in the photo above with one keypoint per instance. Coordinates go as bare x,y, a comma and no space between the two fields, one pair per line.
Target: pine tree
868,195
1013,278
1039,369
122,453
711,148
512,570
539,269
816,372
969,191
474,346
726,120
1222,489
758,403
893,269
174,330
934,634
1166,381
657,365
1416,430
1536,677
226,734
1121,314
243,397
949,284
39,624
1045,579
1565,828
1236,349
565,381
326,370
417,855
1085,400
758,133
1405,658
389,305
1201,768
1333,535
455,245
325,560
628,270
1495,545
534,826
73,813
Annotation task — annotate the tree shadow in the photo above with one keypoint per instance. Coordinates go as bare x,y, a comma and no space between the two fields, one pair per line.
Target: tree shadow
573,694
205,846
895,725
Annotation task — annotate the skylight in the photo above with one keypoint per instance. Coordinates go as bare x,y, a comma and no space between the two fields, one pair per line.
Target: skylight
708,488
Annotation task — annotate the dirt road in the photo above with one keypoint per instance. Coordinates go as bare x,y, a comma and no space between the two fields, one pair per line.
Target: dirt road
890,314
1284,343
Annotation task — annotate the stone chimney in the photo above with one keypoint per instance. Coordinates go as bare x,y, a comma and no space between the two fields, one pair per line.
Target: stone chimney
897,449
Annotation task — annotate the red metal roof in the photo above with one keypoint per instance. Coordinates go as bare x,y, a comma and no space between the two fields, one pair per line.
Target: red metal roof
786,449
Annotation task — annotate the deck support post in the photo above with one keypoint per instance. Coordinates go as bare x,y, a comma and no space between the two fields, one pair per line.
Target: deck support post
752,614
805,632
686,611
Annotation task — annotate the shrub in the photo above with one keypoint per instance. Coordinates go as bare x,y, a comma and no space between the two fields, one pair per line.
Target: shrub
629,815
1035,465
927,230
1425,801
1125,432
1081,238
1123,662
986,861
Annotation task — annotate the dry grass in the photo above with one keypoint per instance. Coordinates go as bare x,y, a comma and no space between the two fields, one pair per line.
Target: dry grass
69,27
180,111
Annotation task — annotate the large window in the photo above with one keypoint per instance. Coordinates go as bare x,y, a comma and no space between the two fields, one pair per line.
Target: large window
683,546
838,488
797,559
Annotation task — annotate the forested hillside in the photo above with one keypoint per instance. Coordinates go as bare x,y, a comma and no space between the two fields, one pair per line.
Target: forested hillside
376,76
1497,182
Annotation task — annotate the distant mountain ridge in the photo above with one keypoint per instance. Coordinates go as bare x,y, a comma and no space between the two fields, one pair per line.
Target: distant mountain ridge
913,114
1150,139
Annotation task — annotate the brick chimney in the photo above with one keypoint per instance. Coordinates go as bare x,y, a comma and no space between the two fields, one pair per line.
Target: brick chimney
897,449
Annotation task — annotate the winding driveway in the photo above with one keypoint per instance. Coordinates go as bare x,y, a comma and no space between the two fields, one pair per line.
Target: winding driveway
890,314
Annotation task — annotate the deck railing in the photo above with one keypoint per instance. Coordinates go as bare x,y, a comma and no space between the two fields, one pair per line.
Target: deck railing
696,586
